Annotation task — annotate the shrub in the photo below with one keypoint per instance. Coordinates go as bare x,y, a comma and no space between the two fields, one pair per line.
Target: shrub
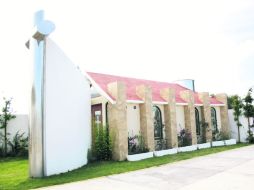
161,144
225,136
204,127
250,137
217,136
102,148
184,138
132,145
221,136
19,145
1,150
200,139
136,145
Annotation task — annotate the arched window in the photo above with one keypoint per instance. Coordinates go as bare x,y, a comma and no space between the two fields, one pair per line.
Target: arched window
214,119
157,122
197,121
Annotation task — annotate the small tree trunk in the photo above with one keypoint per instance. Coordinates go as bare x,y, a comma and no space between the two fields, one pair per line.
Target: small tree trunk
249,126
238,127
239,137
5,141
5,130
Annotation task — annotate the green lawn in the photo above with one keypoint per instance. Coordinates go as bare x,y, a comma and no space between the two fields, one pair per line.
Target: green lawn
14,171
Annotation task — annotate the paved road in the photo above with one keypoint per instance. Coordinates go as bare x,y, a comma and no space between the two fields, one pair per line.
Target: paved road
230,170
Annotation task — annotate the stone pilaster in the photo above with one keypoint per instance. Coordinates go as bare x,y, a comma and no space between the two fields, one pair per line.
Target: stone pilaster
170,117
206,115
189,114
146,115
224,113
117,121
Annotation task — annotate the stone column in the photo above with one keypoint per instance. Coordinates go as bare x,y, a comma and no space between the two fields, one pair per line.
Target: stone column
146,115
117,120
189,114
224,113
206,115
170,117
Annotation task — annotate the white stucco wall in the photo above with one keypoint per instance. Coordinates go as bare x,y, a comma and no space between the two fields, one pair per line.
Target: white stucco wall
180,118
19,124
133,119
67,112
243,128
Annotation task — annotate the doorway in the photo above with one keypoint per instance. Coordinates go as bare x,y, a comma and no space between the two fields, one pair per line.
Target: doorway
96,112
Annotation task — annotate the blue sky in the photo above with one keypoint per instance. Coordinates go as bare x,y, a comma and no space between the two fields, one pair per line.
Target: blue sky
211,42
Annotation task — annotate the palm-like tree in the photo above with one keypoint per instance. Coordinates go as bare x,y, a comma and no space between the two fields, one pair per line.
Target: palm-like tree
237,106
249,112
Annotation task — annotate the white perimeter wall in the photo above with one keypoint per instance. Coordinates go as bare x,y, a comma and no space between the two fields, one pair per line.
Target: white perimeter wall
67,109
19,124
243,129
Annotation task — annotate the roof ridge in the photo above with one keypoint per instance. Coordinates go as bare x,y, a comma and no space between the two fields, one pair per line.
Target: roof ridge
128,77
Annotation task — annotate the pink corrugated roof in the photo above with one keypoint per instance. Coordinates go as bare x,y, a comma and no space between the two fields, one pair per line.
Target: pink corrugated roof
196,99
131,83
214,101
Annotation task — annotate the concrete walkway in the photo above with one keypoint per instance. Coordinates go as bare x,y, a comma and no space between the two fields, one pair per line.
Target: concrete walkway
230,170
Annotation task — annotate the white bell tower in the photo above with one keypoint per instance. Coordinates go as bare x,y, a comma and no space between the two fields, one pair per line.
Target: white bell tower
60,126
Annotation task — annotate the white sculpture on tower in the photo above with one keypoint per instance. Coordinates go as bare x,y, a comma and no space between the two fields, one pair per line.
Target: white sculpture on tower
60,131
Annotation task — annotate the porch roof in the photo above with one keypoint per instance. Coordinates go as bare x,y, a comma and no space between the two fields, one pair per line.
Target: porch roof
102,80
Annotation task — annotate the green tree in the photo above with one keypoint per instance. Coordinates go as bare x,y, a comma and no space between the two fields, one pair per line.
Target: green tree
230,101
237,106
249,112
5,117
102,148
